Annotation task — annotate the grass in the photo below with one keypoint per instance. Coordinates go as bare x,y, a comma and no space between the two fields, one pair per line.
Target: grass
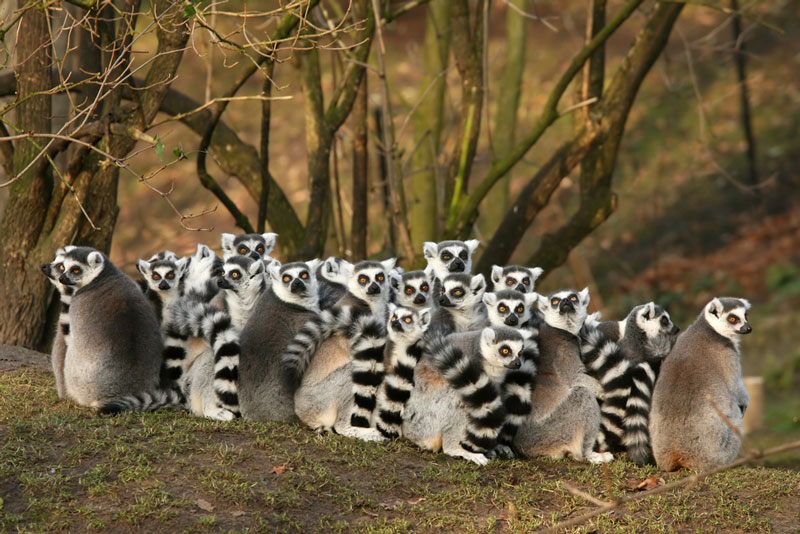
63,468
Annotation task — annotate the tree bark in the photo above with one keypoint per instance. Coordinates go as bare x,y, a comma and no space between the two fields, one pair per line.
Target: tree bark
358,230
744,100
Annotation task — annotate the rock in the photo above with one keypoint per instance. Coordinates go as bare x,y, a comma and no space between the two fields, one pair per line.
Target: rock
12,357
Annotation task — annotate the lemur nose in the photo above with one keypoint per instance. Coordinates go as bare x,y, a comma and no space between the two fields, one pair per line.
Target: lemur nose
419,299
45,267
457,266
512,320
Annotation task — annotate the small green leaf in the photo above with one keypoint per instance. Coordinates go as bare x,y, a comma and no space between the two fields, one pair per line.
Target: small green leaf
189,10
159,148
178,152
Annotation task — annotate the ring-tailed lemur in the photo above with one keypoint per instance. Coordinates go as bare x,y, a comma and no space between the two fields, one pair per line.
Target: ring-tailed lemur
461,307
509,307
403,350
456,405
685,428
282,310
332,277
359,319
200,279
449,257
256,246
61,339
523,279
411,289
114,343
625,357
565,417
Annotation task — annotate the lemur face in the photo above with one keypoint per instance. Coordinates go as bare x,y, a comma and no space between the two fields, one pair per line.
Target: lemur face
411,289
449,256
161,272
53,270
509,307
407,324
565,309
660,334
501,347
239,273
515,277
728,316
255,246
369,280
80,266
294,278
462,291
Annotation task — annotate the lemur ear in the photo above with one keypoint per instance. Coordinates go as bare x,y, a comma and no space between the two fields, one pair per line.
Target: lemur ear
330,267
203,251
269,242
424,317
745,303
584,296
488,336
180,265
536,272
256,268
429,249
472,245
394,281
313,265
531,298
714,307
95,259
143,267
477,284
651,310
497,272
389,264
490,299
541,301
61,252
227,242
69,248
274,270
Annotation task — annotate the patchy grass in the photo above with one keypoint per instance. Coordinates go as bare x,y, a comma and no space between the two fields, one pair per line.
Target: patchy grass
63,468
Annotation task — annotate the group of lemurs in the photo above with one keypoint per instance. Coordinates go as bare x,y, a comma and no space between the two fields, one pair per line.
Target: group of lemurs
370,351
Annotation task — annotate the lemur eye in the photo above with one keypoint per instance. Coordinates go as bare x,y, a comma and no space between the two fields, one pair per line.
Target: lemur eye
510,282
362,280
286,278
447,256
733,319
170,275
502,309
76,270
520,309
409,290
664,321
463,254
526,281
380,277
425,288
554,302
304,275
260,249
573,298
243,250
443,291
458,292
60,267
235,275
394,318
407,320
505,351
156,276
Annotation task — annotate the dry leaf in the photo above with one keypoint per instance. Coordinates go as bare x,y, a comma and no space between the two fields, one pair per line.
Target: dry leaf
204,505
238,513
416,501
650,483
281,469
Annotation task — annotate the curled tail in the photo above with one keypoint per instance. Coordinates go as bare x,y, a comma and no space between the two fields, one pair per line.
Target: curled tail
145,401
604,361
298,353
396,390
515,390
367,339
465,374
636,437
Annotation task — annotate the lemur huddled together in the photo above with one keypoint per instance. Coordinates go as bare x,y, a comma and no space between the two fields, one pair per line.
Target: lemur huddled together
370,351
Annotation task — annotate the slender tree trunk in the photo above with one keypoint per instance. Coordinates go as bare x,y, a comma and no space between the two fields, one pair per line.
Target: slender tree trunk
421,190
739,59
358,231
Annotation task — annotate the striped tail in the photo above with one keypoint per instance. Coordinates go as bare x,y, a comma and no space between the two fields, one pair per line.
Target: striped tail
306,343
604,361
223,337
485,411
145,401
396,390
515,390
174,355
636,437
367,338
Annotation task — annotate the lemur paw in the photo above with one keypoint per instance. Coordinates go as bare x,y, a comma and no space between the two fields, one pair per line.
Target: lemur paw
599,457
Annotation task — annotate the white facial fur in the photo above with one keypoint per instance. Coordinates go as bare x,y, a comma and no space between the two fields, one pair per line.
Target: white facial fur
371,283
201,268
729,324
305,283
559,315
81,274
521,279
443,260
414,292
499,355
509,311
259,245
460,297
243,280
407,325
56,273
159,274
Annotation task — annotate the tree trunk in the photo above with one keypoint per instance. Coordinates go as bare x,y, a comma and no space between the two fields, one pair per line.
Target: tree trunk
358,231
